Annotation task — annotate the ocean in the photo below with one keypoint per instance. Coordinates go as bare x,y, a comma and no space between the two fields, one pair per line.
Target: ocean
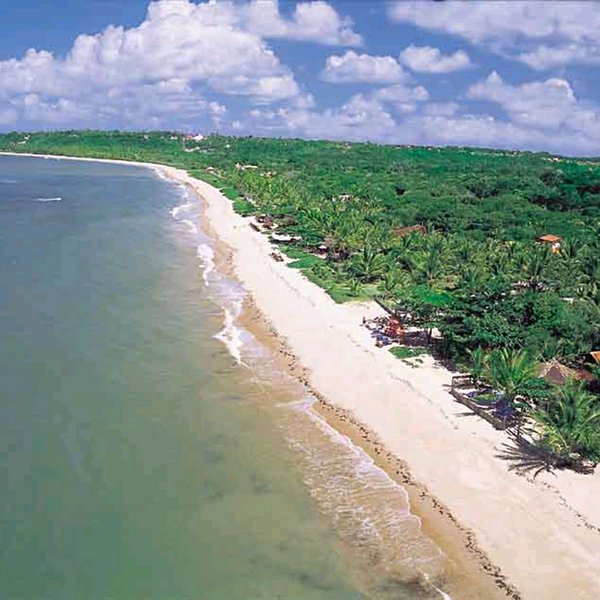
151,446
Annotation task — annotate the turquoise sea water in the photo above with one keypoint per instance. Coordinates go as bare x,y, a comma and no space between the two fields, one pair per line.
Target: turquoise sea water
138,458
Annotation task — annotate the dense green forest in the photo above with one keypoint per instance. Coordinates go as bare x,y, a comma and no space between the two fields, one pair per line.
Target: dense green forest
474,271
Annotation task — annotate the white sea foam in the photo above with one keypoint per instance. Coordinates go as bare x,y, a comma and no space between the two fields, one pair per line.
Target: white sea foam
192,226
207,258
367,507
179,209
443,594
47,199
179,213
160,174
230,335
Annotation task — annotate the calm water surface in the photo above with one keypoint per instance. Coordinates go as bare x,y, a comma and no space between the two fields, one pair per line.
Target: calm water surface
138,458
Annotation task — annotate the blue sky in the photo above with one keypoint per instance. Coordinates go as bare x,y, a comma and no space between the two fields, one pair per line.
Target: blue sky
488,72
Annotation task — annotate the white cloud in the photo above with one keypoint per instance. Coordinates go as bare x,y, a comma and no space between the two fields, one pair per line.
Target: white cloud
315,21
502,19
181,52
426,59
364,117
548,105
441,109
403,98
360,119
352,67
545,57
541,115
480,130
543,34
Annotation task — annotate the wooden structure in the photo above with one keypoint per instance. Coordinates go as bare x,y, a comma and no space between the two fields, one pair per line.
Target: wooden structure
485,412
595,356
553,240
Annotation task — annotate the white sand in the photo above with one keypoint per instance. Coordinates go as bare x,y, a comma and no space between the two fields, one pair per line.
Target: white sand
543,534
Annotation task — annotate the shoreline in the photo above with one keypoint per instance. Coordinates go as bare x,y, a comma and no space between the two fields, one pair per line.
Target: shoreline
543,535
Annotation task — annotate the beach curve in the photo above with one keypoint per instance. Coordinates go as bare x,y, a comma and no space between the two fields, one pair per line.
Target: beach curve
542,534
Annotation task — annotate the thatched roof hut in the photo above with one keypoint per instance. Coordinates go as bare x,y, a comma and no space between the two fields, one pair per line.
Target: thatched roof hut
555,372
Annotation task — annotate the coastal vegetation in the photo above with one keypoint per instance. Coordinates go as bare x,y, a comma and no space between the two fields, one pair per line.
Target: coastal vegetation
450,239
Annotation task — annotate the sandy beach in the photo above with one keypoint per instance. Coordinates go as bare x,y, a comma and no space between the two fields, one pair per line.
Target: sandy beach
538,538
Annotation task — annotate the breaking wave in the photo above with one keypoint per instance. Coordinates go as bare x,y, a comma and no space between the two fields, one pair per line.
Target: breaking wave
179,213
207,259
47,199
231,334
368,509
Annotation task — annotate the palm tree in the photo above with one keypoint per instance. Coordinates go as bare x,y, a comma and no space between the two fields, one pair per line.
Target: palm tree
571,249
392,280
511,371
427,265
368,265
570,422
536,267
478,363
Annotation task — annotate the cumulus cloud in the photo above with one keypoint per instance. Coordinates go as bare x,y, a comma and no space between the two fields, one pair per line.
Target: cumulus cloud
501,19
480,130
352,67
546,57
544,35
403,98
540,115
181,53
360,119
548,105
314,21
426,59
364,117
166,46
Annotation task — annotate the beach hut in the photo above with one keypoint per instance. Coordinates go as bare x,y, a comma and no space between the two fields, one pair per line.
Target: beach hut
553,240
555,372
